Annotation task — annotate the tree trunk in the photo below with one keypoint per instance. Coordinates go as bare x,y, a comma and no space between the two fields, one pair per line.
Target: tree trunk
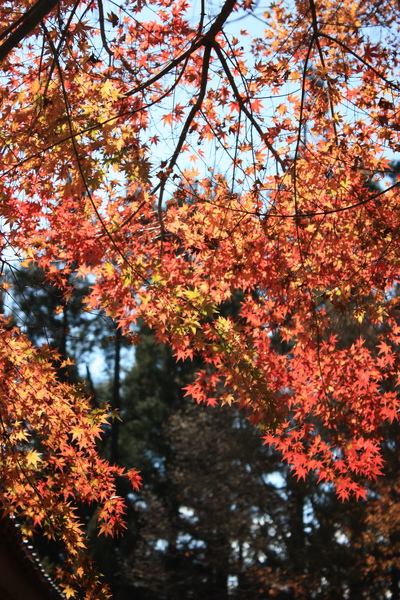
116,399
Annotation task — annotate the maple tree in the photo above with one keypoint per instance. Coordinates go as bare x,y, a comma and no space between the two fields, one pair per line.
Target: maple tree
302,117
220,514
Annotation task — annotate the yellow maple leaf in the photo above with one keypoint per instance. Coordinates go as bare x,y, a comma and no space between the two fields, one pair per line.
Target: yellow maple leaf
33,458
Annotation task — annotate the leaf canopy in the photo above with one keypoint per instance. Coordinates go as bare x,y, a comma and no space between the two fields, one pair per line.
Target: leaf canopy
103,107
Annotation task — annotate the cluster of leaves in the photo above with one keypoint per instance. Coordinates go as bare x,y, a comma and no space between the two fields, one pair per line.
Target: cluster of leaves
49,457
293,226
221,517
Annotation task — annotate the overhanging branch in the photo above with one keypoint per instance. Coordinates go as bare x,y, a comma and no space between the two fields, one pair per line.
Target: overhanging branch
25,25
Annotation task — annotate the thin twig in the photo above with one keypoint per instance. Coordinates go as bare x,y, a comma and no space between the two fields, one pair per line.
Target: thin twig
195,108
243,106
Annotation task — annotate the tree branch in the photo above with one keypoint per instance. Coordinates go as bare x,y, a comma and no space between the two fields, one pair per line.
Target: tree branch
208,38
243,107
195,108
28,22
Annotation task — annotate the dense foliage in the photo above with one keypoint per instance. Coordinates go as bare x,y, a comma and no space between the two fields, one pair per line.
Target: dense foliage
289,212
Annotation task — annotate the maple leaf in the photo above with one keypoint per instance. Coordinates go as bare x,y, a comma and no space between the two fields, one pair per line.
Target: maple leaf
256,105
168,119
234,106
69,592
134,478
33,458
